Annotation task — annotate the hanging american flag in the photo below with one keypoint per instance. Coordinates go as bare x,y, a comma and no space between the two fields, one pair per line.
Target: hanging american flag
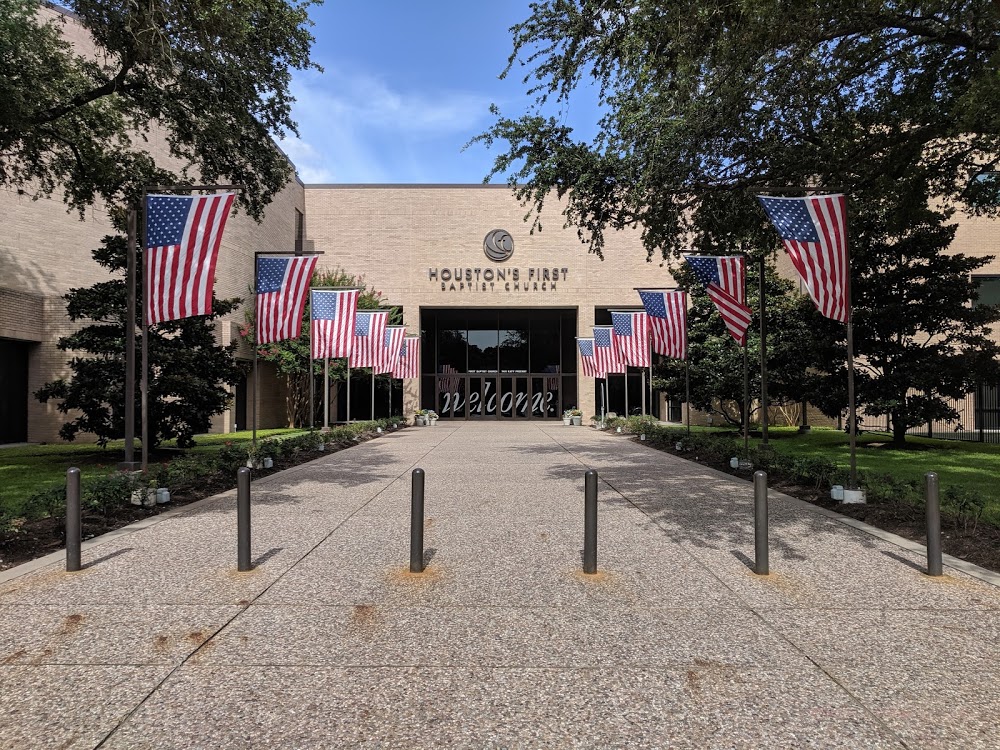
388,356
282,282
408,364
369,337
667,320
814,231
630,332
333,313
606,354
183,234
724,278
588,365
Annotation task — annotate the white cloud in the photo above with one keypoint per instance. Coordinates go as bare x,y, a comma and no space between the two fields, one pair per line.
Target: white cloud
357,128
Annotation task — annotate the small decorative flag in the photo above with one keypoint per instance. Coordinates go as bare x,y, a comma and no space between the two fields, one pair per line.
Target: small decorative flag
814,231
667,320
408,364
369,337
183,234
588,365
389,354
282,282
606,355
333,312
724,278
630,332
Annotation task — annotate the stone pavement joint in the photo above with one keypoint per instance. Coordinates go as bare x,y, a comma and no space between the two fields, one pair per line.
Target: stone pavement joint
503,642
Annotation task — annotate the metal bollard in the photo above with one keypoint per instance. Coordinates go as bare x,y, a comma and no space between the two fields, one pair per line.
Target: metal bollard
590,522
243,563
417,522
761,566
74,522
933,501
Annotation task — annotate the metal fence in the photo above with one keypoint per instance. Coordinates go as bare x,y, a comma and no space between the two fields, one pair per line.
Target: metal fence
978,421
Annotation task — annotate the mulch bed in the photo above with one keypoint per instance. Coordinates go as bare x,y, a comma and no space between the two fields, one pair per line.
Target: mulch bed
38,538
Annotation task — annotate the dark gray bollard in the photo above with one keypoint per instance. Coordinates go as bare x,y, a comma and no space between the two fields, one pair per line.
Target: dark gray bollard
417,522
590,522
933,501
243,562
74,522
761,566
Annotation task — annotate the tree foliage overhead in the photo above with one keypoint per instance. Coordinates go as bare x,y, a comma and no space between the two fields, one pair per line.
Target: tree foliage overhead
188,370
700,98
213,76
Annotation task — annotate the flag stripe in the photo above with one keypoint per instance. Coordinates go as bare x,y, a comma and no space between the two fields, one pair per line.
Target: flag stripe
631,336
279,312
332,313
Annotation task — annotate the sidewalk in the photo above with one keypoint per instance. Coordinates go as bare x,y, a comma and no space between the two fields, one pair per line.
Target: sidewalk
502,642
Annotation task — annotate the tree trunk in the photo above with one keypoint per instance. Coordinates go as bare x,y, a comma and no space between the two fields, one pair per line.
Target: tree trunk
898,431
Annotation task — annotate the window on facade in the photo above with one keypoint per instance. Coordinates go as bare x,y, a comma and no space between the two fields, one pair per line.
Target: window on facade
989,290
300,231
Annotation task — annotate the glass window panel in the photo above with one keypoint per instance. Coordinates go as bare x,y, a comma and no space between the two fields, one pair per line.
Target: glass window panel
506,404
451,400
569,349
451,347
545,354
513,344
489,397
569,393
521,397
989,290
483,342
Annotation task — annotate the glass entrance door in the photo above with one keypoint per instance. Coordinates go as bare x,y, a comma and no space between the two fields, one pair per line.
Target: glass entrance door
482,392
514,397
451,402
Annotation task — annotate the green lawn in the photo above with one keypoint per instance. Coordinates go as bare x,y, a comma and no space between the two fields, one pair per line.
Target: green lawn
971,466
26,470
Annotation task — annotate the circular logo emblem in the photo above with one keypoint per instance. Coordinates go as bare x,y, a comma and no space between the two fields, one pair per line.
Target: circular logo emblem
498,245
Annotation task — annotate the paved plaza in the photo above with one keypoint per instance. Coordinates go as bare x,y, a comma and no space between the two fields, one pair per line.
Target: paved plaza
503,641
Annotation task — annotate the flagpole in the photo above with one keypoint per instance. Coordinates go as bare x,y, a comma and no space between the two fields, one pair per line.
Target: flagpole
651,376
626,390
746,371
643,373
130,343
373,393
326,393
312,387
853,412
763,356
348,367
256,377
687,392
144,386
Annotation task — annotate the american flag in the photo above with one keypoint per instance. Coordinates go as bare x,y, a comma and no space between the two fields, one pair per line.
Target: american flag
630,332
282,282
668,321
391,344
333,314
369,338
724,278
606,354
183,234
408,364
588,365
814,230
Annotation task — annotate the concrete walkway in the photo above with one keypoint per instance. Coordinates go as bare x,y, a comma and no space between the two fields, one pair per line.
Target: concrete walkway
503,642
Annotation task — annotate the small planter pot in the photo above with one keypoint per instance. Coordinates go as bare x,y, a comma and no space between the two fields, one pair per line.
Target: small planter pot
268,463
567,421
378,430
419,421
432,422
253,463
854,497
618,430
577,421
642,437
162,496
321,446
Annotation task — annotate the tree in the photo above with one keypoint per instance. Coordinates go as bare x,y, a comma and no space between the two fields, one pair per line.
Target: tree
291,357
188,371
920,337
701,104
698,100
716,362
215,76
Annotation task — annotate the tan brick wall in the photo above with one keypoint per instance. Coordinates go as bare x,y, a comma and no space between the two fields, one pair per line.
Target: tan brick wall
393,235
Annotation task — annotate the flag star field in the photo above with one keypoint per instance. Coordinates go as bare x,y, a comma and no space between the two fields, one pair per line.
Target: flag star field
270,274
167,217
791,218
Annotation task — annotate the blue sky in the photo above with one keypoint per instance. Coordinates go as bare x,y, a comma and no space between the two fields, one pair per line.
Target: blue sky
405,86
